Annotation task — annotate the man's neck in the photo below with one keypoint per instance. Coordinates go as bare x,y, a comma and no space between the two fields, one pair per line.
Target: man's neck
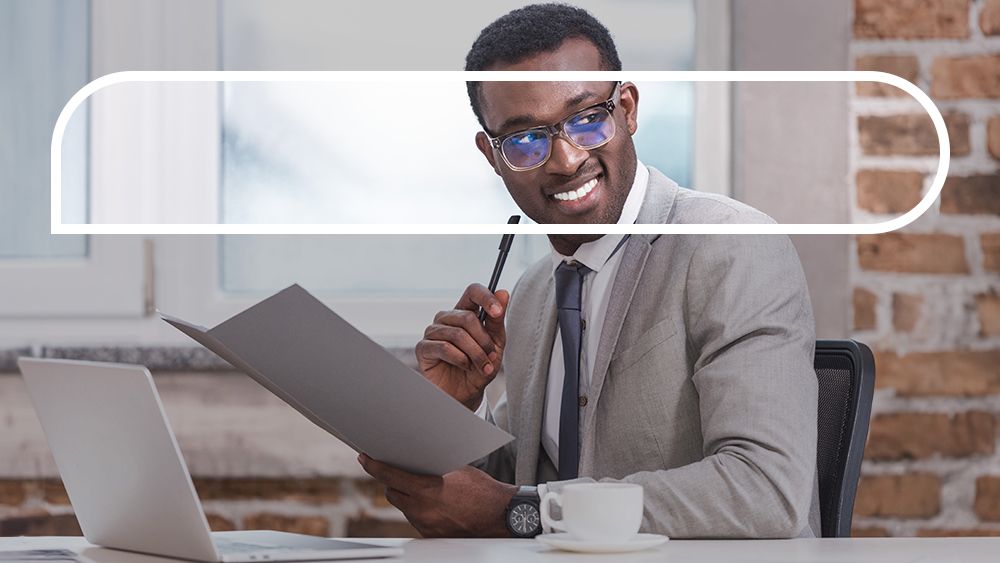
567,245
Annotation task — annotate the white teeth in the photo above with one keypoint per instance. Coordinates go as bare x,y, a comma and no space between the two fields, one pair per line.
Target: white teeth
577,193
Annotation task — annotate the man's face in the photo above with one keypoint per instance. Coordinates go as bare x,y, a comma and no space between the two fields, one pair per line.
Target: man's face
513,106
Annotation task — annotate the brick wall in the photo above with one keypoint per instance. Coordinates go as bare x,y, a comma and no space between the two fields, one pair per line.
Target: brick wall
257,464
927,299
315,506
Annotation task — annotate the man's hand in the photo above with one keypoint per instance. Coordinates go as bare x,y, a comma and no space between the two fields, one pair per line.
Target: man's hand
458,353
463,503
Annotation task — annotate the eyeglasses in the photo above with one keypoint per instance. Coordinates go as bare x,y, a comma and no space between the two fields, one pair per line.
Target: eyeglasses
586,129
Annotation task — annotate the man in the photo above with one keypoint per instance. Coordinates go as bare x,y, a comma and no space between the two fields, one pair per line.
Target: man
681,363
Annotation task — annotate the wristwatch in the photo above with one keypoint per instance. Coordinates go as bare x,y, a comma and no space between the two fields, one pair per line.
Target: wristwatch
523,520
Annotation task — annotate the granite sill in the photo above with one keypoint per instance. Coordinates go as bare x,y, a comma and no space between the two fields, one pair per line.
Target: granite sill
177,359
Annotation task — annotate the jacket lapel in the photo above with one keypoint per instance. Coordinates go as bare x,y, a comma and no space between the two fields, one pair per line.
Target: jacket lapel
656,208
529,444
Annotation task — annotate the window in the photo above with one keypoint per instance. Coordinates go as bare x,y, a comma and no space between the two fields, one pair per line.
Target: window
215,154
47,32
43,275
285,159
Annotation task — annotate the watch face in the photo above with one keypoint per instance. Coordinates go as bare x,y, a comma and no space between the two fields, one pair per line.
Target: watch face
524,519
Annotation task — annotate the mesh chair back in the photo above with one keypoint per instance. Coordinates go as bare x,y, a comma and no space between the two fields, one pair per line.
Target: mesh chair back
845,370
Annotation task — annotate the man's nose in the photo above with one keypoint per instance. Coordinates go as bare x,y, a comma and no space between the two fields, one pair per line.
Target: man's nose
565,159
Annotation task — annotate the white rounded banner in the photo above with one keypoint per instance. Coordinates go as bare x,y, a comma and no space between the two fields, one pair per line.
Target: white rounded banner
210,220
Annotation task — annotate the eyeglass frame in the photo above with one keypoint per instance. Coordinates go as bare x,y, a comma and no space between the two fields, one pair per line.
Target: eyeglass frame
556,130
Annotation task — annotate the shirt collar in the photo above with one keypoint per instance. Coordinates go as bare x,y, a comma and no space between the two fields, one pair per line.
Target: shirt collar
595,254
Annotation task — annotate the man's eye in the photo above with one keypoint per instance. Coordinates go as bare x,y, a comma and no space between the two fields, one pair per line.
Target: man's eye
526,138
586,118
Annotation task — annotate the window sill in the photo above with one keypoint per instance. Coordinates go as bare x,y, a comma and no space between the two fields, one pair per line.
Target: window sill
173,359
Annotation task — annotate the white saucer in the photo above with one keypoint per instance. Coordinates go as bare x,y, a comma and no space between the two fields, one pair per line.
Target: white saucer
566,542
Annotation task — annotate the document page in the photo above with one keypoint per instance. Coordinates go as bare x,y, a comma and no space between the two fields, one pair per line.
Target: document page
314,360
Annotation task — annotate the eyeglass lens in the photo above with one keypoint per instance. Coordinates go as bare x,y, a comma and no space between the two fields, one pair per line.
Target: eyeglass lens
585,130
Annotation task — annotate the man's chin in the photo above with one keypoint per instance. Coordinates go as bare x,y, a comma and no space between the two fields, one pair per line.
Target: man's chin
575,240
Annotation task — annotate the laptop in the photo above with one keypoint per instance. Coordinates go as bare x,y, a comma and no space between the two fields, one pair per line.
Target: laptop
127,480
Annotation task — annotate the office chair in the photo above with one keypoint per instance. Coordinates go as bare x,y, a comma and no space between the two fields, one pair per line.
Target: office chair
846,373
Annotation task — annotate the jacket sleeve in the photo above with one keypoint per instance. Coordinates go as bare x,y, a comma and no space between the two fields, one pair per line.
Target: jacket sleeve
500,464
751,340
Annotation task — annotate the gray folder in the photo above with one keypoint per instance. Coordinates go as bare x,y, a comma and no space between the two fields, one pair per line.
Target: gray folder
314,360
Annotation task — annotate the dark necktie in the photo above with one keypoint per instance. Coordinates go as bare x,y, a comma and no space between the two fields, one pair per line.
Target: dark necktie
569,288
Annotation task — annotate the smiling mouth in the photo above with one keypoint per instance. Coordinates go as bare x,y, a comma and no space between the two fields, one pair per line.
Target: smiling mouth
578,193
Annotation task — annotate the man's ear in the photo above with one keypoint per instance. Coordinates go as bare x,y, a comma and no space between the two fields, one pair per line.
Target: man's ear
484,146
630,104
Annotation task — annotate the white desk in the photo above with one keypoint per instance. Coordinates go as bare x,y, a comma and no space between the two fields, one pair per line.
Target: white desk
868,550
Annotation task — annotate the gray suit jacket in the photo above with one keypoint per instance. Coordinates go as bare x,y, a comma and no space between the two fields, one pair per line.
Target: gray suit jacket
703,389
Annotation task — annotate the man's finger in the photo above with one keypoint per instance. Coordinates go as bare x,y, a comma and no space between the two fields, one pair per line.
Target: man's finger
478,295
495,324
469,322
439,350
395,478
461,340
398,498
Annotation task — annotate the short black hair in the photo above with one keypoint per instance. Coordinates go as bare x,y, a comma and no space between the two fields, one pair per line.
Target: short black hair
534,29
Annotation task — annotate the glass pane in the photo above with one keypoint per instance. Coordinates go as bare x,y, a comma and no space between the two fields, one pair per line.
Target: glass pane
46,61
426,266
285,160
321,153
666,128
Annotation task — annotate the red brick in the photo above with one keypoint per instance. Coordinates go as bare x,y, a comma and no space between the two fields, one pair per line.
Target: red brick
54,492
374,491
971,195
953,373
869,532
219,523
988,311
12,492
916,435
903,66
864,309
366,526
933,253
987,504
906,311
989,17
309,525
313,490
972,76
911,495
40,524
911,134
991,251
993,136
957,532
911,19
888,191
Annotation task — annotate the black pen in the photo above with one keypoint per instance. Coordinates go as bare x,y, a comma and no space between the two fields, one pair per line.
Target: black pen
505,243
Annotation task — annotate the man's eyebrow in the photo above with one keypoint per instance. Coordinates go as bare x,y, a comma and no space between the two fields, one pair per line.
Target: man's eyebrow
580,98
528,119
517,121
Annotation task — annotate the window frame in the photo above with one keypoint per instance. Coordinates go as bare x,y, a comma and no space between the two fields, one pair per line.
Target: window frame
106,282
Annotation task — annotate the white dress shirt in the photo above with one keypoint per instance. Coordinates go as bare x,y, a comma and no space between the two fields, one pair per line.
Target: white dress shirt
601,258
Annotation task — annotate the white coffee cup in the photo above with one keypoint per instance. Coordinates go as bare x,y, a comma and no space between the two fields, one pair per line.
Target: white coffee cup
606,512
